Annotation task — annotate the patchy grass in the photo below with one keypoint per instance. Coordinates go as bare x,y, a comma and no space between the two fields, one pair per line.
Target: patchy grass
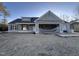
14,44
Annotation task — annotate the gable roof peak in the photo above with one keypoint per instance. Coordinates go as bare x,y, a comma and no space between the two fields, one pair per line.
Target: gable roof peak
48,16
49,11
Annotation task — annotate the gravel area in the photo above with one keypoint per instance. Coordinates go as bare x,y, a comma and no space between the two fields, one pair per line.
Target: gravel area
22,44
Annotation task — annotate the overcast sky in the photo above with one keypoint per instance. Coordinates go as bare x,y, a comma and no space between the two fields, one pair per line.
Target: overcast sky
26,9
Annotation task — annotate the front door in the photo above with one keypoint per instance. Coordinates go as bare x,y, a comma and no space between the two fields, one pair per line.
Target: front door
24,27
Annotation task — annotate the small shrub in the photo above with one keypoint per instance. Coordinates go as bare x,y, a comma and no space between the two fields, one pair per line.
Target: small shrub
3,27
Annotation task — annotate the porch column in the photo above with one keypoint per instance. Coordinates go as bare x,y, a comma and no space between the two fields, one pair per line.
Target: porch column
68,28
60,26
9,27
13,26
36,28
16,26
19,27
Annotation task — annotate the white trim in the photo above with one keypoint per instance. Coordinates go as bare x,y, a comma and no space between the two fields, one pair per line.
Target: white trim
24,23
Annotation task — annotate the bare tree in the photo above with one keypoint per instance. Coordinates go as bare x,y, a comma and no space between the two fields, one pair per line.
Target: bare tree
65,17
4,12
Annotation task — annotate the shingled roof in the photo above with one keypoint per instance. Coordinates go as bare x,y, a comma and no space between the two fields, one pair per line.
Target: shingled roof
74,21
20,20
49,16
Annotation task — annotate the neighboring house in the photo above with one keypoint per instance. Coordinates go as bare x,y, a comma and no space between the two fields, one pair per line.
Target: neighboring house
48,22
74,25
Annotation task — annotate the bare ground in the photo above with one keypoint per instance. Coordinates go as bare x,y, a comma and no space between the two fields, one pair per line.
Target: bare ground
15,44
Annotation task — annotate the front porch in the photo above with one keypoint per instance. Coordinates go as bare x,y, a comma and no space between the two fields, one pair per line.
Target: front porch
38,27
47,28
21,27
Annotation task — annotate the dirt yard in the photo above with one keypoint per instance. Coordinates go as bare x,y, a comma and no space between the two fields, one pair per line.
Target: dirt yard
15,44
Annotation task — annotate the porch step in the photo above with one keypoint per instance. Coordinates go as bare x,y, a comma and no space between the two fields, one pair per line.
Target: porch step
68,34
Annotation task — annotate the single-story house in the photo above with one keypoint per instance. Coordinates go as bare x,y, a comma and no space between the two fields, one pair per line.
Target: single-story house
74,25
48,22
